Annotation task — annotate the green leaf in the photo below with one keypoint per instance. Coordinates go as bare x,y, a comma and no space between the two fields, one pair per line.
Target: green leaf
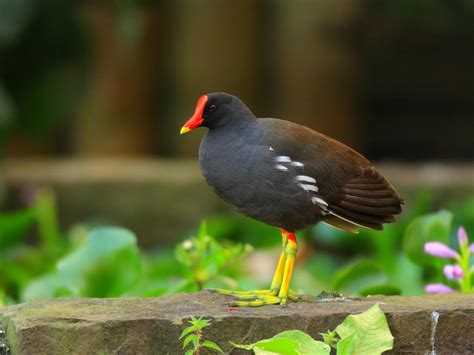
407,276
186,331
291,342
196,340
106,265
13,226
430,227
189,352
382,289
357,276
370,330
46,286
191,338
346,346
211,345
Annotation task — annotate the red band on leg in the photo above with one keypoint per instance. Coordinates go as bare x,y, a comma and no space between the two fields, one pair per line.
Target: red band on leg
292,237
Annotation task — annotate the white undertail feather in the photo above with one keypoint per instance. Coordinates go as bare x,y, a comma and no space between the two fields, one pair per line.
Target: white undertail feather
348,220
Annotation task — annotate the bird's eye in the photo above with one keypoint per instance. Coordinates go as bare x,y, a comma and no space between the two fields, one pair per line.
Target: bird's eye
212,108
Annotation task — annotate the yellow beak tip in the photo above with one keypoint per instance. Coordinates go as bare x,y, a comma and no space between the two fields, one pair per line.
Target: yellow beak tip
184,130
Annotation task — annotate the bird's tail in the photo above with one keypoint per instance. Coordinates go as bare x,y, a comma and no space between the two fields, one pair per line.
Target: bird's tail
367,201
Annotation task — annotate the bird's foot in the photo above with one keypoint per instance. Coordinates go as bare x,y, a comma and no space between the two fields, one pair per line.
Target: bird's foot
256,298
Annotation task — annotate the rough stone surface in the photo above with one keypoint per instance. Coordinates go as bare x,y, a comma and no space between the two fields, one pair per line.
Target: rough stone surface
153,325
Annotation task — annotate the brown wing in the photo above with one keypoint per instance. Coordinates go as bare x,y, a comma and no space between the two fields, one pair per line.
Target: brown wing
367,200
357,195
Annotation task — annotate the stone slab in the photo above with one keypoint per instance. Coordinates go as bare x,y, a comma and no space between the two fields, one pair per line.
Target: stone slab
153,325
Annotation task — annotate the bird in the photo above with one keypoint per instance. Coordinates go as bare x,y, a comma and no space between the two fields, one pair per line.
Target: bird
287,176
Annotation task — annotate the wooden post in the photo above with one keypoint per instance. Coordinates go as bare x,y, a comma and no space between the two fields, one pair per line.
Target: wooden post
116,115
318,68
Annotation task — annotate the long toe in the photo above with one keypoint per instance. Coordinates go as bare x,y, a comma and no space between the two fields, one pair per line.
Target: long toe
245,294
260,301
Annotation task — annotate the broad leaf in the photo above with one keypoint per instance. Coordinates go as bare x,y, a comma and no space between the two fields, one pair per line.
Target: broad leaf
407,276
370,331
13,226
291,342
359,275
46,286
106,265
382,289
346,346
431,227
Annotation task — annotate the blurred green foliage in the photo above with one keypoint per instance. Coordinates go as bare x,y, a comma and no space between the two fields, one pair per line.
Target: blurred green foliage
205,260
104,261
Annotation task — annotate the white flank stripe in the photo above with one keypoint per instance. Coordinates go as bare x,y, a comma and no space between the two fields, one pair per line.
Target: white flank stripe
282,159
304,178
319,201
347,220
281,167
309,187
297,163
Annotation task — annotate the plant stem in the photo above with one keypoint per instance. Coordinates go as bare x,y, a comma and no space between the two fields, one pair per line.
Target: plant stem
199,335
464,263
46,216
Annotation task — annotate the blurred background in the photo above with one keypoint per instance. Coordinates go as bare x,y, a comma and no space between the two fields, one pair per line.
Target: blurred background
93,93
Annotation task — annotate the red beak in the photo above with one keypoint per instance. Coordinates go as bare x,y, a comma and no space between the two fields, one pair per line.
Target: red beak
196,119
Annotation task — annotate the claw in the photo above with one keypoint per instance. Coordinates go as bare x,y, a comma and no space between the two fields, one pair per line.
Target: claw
244,294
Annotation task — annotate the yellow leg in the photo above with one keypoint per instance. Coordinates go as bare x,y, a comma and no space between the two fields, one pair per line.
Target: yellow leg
291,250
278,277
279,291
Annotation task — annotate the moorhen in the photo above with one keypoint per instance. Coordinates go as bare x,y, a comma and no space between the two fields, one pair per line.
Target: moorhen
288,176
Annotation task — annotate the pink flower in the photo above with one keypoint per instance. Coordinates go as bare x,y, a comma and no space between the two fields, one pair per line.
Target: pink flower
440,250
453,272
462,237
438,289
471,248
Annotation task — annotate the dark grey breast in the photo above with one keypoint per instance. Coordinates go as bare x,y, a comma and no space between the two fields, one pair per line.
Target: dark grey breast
252,171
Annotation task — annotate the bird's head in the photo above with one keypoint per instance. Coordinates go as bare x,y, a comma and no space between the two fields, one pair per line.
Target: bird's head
215,110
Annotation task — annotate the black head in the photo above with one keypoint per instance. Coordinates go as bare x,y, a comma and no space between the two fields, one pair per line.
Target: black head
216,110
